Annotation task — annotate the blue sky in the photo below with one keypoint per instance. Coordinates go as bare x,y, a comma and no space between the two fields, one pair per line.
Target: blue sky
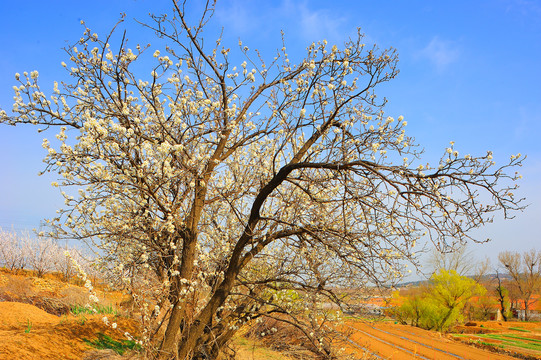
470,73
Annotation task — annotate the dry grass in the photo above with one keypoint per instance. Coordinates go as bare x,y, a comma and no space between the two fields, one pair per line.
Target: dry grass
50,293
249,349
279,336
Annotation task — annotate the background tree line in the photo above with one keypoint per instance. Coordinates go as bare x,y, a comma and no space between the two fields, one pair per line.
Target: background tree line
461,288
24,250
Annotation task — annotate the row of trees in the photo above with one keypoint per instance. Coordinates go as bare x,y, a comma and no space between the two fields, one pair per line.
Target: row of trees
217,182
23,250
450,296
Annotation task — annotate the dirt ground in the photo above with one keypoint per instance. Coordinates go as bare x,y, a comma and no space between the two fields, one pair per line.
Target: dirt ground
394,341
27,332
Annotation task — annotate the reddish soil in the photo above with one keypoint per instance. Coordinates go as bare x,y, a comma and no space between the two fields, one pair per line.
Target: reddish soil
392,341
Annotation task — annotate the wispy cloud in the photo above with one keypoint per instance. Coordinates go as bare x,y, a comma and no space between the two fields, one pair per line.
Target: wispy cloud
320,24
440,53
295,17
237,15
524,7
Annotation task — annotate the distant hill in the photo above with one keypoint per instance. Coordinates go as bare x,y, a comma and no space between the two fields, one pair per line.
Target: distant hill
486,277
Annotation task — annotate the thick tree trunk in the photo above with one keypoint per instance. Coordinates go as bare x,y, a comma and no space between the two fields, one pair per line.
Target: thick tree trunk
196,329
167,349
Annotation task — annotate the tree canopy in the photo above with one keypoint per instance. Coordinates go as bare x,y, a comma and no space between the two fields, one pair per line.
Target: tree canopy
216,190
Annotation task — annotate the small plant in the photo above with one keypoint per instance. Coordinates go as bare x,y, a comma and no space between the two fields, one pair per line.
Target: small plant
28,327
119,346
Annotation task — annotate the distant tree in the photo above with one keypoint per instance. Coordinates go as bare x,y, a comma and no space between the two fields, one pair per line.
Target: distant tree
525,272
458,259
439,304
415,309
480,307
450,292
12,250
481,272
63,263
40,253
217,182
503,298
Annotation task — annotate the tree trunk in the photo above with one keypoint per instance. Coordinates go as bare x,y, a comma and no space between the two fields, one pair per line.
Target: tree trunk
167,349
445,318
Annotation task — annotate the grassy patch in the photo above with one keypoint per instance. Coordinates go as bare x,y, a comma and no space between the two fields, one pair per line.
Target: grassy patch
519,329
490,344
96,309
512,336
512,340
106,342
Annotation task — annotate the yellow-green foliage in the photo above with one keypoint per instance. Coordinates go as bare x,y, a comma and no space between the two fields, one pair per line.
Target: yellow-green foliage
417,310
441,303
450,292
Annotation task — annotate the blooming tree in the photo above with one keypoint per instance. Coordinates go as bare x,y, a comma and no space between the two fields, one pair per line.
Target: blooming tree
221,192
12,250
40,253
22,250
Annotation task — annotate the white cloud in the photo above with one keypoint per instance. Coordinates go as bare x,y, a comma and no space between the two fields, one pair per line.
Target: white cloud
294,17
320,24
237,16
441,53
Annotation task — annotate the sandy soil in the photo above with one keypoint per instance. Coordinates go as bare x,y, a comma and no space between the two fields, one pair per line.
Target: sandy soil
27,332
391,341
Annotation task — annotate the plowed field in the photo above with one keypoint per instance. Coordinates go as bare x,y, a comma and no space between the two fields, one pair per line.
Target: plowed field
392,341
